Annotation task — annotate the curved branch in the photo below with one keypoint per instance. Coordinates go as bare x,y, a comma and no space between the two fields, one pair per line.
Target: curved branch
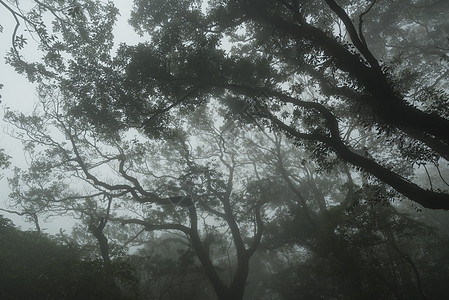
155,227
136,182
426,198
362,38
328,89
16,27
356,39
33,215
95,180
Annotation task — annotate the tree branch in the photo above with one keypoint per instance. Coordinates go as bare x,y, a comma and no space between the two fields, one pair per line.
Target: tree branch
155,227
426,198
356,39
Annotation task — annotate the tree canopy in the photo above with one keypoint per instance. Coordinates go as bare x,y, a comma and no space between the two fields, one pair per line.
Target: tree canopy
246,127
323,73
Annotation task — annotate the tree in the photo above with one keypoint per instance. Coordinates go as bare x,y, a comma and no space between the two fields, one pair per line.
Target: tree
364,253
307,70
166,269
181,183
330,235
277,48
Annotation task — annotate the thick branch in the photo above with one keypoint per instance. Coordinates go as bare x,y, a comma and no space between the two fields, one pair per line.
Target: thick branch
426,198
385,101
155,227
329,89
357,40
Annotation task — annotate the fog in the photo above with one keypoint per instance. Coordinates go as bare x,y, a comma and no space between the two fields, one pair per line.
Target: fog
224,149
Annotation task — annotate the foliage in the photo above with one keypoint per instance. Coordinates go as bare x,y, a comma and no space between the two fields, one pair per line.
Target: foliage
40,267
4,161
168,271
367,252
185,132
307,70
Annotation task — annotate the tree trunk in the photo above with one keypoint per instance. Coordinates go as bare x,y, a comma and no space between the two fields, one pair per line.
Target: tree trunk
237,288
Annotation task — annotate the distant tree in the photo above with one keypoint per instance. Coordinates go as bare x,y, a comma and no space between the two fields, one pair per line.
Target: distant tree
166,269
334,234
366,252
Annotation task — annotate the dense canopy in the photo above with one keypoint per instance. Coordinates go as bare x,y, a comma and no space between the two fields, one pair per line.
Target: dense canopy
293,130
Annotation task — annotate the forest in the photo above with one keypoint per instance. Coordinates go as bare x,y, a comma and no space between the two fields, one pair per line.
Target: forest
241,149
